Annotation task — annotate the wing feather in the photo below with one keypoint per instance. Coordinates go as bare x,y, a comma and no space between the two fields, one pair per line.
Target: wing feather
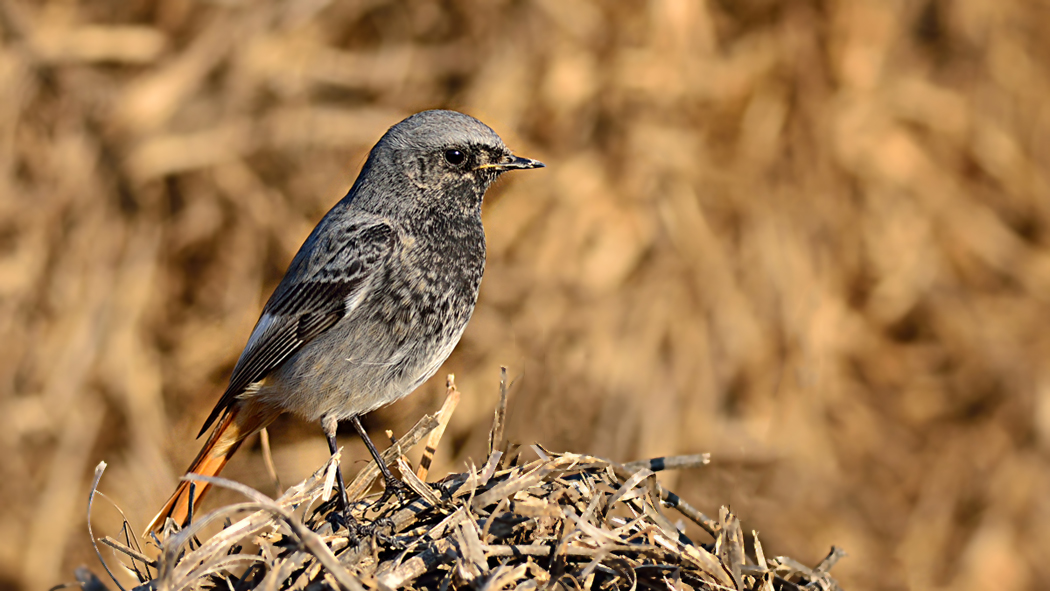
313,297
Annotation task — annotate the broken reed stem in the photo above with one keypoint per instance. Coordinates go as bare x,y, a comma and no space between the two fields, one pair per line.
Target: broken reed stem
695,515
670,463
444,416
829,561
500,416
128,550
267,454
99,469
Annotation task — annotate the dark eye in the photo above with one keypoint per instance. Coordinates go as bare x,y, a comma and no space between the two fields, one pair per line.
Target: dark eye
455,157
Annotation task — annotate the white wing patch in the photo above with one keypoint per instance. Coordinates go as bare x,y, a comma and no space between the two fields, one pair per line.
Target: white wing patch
267,320
261,328
354,300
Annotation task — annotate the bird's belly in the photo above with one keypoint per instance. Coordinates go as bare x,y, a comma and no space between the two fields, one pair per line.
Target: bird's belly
349,371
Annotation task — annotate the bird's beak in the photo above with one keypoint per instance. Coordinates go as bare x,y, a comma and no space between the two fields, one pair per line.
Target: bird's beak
515,163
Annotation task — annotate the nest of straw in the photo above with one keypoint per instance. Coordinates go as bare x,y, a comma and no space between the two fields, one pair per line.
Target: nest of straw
564,520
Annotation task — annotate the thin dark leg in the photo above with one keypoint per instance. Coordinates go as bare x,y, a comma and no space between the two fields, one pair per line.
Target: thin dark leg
330,426
189,504
393,485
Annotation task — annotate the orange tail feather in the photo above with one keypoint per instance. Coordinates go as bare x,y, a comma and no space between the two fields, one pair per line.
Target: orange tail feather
235,426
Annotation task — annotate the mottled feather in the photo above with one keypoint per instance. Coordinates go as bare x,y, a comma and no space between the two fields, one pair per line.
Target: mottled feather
302,309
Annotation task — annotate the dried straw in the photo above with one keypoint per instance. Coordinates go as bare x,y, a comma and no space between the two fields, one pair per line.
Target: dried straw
563,520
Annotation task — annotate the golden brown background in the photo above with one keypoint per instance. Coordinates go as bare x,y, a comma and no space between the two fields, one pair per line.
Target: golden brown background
810,237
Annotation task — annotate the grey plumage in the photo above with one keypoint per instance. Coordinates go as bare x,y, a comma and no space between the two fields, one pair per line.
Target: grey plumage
381,291
374,301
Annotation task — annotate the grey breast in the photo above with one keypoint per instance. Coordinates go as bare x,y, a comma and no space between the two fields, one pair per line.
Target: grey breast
401,332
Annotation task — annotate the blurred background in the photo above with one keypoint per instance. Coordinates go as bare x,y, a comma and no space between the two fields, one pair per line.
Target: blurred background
809,237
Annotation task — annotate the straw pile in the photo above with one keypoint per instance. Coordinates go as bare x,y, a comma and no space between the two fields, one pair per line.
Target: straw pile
561,521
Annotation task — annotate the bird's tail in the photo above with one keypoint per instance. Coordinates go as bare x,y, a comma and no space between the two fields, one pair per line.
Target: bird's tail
239,422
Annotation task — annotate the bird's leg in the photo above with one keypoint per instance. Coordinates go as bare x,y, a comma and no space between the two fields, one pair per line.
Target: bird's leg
393,485
330,425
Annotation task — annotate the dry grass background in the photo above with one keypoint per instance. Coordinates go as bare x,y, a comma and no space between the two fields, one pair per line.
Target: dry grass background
810,237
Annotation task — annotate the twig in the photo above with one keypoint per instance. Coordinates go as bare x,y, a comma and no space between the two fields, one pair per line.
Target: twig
311,541
545,550
444,416
829,561
99,469
500,416
509,487
694,514
129,531
760,555
670,463
417,565
271,468
418,486
131,552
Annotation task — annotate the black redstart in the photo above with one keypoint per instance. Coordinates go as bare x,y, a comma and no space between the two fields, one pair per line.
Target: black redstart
375,299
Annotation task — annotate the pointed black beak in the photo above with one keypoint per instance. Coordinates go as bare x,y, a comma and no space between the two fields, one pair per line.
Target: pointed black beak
519,163
515,163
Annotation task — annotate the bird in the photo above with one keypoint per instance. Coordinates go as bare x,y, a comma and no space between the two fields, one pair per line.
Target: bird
374,301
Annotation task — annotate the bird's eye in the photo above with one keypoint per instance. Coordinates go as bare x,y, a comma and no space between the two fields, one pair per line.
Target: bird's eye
455,157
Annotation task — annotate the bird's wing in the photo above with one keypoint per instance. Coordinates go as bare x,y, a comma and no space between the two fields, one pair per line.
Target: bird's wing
321,287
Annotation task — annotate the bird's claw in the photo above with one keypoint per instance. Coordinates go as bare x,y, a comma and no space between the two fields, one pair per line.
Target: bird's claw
394,488
360,529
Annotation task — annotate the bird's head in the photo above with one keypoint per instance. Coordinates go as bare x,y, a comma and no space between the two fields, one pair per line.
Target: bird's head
443,155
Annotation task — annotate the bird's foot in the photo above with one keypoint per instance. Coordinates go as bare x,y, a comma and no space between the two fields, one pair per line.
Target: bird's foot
382,528
396,488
